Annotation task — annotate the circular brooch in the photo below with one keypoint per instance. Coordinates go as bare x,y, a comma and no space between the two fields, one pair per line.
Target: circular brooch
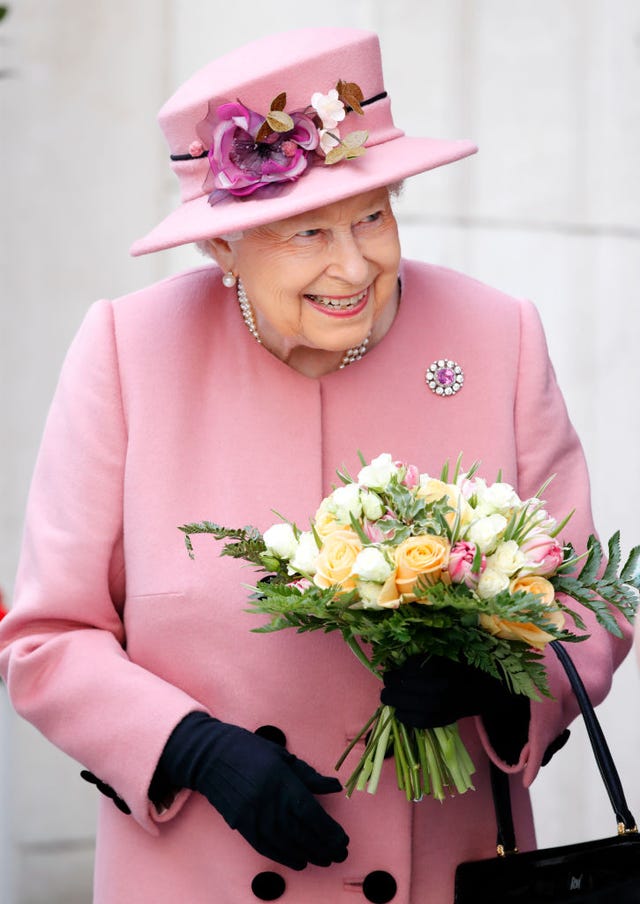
444,377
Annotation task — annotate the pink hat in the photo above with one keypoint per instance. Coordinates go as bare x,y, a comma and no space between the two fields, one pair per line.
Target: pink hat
253,134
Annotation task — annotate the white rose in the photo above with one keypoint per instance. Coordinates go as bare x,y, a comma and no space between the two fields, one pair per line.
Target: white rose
306,554
491,583
498,497
485,532
378,473
369,593
280,541
541,520
371,506
507,558
371,564
344,502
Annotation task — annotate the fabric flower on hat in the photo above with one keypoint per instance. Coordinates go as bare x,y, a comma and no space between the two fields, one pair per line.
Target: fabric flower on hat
244,156
328,141
249,151
329,108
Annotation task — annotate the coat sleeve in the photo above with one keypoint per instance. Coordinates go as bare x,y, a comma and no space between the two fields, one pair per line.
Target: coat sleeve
547,445
63,645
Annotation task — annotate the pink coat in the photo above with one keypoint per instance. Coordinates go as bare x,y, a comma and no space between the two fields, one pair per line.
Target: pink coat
167,411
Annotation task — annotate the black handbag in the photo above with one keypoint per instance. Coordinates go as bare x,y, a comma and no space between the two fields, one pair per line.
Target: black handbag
591,872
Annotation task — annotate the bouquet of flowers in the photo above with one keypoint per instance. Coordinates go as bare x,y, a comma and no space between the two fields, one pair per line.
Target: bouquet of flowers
402,563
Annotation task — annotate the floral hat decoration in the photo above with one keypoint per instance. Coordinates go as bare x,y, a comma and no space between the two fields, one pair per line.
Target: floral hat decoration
283,125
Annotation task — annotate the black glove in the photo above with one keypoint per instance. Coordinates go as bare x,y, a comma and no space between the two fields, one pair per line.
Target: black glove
434,691
259,788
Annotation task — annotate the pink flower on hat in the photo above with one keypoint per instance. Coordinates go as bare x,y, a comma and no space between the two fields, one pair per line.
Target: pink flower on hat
242,161
196,148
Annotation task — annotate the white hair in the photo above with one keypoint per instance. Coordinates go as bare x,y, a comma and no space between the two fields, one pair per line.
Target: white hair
205,248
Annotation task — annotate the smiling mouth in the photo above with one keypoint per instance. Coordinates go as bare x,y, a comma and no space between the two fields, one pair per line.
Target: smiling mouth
333,303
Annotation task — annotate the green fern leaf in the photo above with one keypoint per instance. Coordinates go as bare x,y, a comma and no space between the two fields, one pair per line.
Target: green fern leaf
594,560
631,572
611,571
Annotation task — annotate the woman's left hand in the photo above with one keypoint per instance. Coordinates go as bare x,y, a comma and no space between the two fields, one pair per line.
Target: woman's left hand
435,691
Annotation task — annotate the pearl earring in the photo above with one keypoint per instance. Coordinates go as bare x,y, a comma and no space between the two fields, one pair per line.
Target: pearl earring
229,280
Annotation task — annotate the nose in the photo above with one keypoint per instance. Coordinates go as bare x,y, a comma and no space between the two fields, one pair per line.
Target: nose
347,260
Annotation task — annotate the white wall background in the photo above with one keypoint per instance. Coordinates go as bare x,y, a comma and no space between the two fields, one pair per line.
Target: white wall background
549,209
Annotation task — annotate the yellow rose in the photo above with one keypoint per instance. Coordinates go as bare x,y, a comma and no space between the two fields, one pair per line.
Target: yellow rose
335,560
533,583
526,631
389,598
432,490
424,556
380,596
324,521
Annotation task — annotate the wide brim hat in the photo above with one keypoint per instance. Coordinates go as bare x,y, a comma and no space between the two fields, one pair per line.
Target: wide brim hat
298,63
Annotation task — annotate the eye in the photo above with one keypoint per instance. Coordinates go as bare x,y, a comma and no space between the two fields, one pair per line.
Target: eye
308,233
372,217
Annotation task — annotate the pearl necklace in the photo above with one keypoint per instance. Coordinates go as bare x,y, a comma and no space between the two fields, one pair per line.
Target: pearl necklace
351,355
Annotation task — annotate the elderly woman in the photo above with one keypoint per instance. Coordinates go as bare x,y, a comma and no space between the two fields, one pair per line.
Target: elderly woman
222,392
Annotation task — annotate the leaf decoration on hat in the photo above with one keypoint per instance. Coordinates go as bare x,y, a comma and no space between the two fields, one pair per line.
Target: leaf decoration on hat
276,117
280,121
351,95
276,120
279,102
352,145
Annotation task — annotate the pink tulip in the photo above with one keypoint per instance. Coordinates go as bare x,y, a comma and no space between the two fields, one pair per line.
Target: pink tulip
544,555
460,564
411,477
375,530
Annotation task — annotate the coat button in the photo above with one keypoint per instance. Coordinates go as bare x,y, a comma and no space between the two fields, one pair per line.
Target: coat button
379,887
107,790
269,886
272,733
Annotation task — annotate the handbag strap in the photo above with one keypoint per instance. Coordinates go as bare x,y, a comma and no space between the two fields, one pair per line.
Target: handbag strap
506,841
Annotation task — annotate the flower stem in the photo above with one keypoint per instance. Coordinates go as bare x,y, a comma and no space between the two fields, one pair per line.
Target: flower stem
355,740
427,761
434,767
381,748
448,754
414,766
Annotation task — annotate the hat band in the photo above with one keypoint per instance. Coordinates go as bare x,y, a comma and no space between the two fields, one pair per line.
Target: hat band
176,158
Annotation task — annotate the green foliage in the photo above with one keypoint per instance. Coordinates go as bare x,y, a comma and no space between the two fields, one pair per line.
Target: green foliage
614,591
444,624
630,574
249,544
413,514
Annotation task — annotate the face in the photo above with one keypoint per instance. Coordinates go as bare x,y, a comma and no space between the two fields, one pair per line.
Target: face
323,280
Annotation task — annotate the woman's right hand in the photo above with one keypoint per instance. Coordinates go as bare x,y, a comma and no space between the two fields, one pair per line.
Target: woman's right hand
260,789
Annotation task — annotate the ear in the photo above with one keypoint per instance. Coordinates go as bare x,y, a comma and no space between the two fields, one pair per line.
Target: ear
223,254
